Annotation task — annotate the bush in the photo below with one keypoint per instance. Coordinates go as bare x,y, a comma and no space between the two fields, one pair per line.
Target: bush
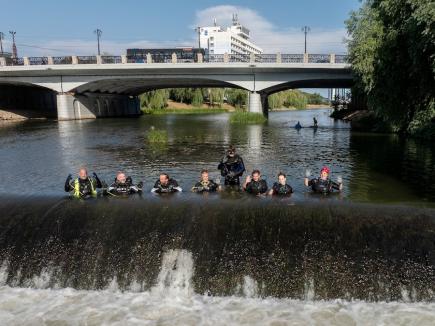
240,117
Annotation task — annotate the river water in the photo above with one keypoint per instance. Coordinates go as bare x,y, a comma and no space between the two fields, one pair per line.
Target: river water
364,257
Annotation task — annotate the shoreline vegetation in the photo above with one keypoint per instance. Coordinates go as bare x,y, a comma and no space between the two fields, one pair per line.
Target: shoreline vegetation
222,100
392,53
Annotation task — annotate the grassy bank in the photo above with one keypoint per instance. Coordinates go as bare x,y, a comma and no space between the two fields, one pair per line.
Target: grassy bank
240,117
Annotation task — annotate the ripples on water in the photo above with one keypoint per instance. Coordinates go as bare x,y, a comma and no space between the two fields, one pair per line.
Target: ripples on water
375,168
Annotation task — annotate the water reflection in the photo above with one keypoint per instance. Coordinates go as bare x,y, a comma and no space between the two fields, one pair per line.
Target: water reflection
39,155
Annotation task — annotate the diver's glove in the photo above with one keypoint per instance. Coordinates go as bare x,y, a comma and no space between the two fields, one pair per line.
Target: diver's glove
307,173
69,178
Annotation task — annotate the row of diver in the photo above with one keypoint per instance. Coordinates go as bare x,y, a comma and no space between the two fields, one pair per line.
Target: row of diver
231,168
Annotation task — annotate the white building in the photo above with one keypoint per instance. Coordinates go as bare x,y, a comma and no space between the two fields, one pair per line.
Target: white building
234,39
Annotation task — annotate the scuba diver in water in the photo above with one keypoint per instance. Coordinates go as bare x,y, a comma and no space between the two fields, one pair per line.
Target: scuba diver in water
205,184
83,186
281,188
255,185
298,126
123,186
166,185
323,184
232,167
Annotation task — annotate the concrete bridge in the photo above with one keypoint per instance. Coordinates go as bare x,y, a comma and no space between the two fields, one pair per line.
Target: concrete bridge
77,87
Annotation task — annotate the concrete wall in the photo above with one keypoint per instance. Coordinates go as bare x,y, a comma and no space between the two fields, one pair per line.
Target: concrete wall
91,106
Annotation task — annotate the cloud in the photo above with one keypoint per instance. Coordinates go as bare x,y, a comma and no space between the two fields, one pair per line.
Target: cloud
271,38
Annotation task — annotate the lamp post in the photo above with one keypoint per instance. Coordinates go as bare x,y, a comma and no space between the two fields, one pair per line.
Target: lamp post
2,37
306,29
14,47
98,32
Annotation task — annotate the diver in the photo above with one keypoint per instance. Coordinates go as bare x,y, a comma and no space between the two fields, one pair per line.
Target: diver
123,186
255,185
323,184
232,167
298,126
281,188
166,185
315,122
205,184
83,186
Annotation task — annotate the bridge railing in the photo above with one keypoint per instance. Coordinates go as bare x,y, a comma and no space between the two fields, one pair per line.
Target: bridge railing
167,58
292,58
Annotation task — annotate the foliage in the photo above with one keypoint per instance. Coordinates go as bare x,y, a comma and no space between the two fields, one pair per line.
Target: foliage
240,117
157,136
197,98
155,100
295,99
169,110
236,97
392,52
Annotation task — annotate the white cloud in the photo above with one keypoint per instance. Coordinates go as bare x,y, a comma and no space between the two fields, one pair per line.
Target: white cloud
271,38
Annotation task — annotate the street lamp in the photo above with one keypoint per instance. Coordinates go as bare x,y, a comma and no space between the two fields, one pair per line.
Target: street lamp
98,32
306,29
2,37
14,47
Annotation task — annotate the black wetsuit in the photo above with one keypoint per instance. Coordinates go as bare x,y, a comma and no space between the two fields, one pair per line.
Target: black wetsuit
87,187
282,190
323,186
123,189
202,186
256,187
232,169
171,186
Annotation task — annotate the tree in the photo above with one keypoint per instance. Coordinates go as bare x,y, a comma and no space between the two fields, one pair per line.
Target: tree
197,99
392,52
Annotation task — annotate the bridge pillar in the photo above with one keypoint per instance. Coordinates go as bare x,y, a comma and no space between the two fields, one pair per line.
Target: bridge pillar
93,105
255,103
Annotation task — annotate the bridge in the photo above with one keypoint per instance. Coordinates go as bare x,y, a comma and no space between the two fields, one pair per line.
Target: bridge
82,87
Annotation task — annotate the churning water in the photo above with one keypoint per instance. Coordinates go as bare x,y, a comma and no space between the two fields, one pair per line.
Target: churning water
155,262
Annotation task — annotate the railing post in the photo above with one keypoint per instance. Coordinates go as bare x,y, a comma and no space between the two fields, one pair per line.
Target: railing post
200,58
50,61
149,58
123,58
74,60
174,58
252,57
2,61
278,57
26,61
99,60
332,58
226,58
305,57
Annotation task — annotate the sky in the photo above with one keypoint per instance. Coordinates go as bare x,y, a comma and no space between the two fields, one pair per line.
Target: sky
61,27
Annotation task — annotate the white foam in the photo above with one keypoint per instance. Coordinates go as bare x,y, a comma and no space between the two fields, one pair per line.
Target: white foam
37,306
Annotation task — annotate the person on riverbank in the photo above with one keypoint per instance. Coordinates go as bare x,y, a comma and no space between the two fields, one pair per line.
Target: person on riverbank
83,186
323,184
205,184
165,185
232,167
254,184
281,188
123,186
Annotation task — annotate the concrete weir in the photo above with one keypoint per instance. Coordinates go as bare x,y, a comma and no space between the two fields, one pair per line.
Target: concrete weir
91,106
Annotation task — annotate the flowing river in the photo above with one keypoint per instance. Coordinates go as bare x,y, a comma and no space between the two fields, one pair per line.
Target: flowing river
364,257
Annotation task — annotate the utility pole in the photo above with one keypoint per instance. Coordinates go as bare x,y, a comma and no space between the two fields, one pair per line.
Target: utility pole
98,32
198,29
2,37
306,29
14,46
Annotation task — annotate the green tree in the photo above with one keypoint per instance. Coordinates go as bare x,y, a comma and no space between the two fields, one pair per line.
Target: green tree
392,51
197,98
